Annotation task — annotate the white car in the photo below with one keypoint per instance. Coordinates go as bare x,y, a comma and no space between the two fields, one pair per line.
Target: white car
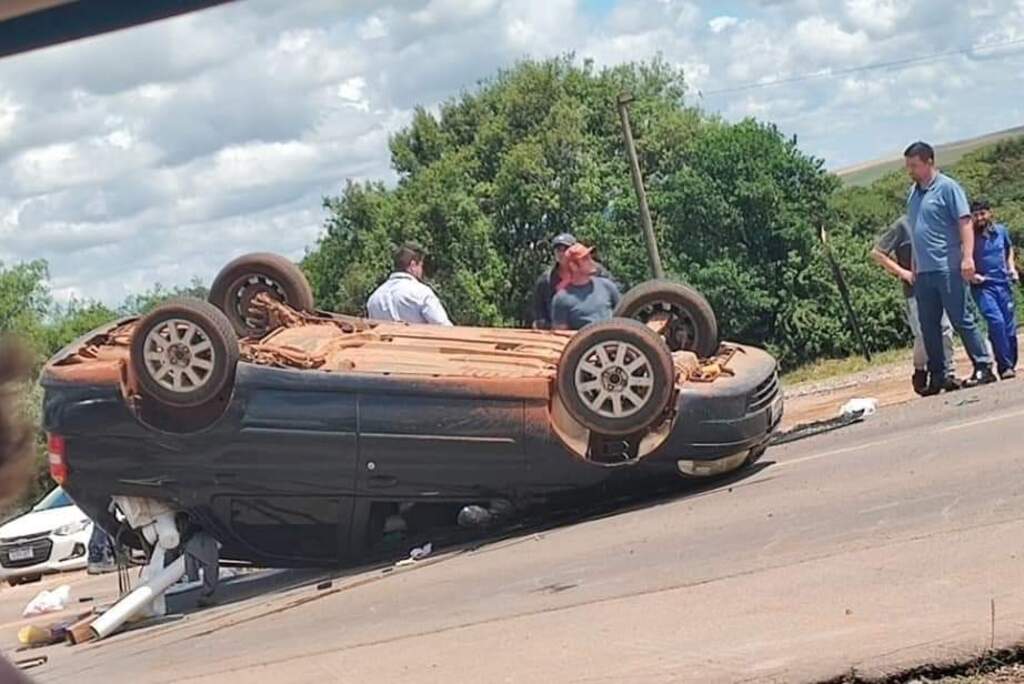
52,537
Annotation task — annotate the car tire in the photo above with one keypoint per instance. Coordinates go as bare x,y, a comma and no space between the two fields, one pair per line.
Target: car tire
13,581
251,274
692,324
616,377
184,353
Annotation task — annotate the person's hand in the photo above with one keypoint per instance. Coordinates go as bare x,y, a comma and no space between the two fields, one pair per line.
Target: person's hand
978,279
967,269
907,276
1014,275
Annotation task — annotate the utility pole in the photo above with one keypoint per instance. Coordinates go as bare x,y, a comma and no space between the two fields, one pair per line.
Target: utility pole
624,100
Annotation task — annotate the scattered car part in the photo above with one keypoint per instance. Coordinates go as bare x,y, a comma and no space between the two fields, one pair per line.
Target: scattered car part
688,322
616,377
144,595
238,284
184,353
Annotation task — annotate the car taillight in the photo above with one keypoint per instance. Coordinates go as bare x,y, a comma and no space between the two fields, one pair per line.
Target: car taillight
58,456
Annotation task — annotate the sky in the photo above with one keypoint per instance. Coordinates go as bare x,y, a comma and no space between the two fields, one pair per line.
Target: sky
160,153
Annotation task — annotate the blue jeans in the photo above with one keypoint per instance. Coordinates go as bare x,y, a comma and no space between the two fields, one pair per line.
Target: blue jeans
995,301
101,547
938,291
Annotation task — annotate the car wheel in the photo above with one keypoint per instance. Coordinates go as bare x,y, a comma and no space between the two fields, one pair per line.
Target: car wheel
240,281
690,321
184,353
14,581
616,377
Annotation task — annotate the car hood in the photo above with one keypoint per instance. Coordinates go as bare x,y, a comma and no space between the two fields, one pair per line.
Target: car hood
38,522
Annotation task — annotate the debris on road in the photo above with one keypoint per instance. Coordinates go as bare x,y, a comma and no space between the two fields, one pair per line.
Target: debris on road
48,601
323,586
29,663
865,406
421,552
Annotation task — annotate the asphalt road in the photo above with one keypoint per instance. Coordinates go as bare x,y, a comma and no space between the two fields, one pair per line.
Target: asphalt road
878,547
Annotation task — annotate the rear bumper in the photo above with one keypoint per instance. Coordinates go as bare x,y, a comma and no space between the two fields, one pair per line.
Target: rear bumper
731,415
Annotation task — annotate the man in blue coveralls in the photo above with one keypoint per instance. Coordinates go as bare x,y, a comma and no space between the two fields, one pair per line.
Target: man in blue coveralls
992,286
943,235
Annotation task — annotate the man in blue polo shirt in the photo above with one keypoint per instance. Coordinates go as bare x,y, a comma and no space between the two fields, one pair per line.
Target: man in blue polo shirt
992,286
943,237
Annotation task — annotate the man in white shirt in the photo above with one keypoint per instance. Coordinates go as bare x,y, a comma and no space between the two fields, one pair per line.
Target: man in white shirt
404,297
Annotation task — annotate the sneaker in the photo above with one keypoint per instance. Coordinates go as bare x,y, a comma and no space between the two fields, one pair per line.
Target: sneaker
1008,374
919,381
982,375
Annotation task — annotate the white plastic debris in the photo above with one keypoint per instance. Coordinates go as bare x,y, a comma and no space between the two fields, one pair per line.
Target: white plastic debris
48,601
864,406
421,552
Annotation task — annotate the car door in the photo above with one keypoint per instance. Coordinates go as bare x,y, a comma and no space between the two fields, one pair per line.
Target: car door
287,482
421,440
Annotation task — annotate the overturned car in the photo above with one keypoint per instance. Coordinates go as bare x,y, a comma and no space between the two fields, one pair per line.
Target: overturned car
298,437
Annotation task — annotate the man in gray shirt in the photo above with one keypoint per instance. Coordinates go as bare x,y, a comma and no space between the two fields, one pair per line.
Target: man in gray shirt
582,296
894,252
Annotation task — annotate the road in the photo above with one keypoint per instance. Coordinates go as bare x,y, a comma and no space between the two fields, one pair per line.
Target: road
874,548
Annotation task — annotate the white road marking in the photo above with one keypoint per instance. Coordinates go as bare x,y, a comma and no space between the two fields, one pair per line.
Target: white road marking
983,421
870,445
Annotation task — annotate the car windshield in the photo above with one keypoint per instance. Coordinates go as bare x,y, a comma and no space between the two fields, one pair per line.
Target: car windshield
57,498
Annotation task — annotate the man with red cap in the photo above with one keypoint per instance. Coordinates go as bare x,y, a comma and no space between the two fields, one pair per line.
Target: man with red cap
582,295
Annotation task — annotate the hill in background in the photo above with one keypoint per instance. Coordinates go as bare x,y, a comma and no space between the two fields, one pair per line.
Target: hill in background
946,154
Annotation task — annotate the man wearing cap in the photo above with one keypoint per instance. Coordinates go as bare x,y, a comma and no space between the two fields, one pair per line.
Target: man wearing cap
992,286
894,252
404,297
547,284
583,296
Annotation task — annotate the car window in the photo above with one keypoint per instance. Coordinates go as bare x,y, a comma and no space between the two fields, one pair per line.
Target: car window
57,498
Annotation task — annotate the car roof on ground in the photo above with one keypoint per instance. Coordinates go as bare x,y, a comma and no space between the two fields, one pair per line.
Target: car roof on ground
31,24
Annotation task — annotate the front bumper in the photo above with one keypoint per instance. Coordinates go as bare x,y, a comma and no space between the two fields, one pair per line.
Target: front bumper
51,553
733,414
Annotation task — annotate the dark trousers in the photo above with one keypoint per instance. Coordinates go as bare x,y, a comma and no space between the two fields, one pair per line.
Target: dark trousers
937,291
101,547
995,301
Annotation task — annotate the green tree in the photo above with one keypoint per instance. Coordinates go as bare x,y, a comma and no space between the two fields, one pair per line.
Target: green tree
538,150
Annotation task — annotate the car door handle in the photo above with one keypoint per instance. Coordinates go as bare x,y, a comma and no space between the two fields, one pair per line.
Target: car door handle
381,481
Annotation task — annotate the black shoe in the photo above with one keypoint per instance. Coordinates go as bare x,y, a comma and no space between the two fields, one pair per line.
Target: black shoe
951,384
1008,374
919,381
933,387
982,375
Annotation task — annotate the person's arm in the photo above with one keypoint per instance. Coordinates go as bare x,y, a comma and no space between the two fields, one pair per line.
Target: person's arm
891,265
1011,257
967,269
433,310
559,313
541,303
961,210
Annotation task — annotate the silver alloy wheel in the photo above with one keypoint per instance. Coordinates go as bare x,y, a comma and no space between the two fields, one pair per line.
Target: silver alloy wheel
179,355
614,379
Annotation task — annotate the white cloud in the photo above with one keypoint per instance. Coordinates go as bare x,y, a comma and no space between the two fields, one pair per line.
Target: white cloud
723,23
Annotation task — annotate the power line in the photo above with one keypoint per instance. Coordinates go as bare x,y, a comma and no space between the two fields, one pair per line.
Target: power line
897,63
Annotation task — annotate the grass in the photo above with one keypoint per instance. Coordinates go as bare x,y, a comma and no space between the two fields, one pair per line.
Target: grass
825,369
